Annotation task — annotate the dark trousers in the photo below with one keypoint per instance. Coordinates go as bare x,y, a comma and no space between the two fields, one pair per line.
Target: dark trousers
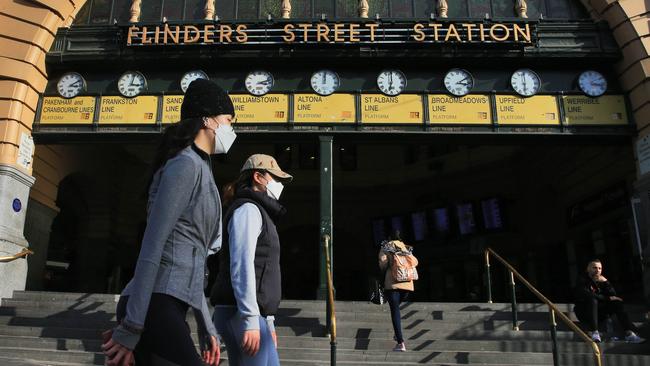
166,339
592,312
395,298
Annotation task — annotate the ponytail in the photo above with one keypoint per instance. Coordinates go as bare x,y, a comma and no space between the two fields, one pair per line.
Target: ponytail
230,190
175,138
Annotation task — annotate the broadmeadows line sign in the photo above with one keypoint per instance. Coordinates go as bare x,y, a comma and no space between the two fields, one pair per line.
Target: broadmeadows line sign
469,32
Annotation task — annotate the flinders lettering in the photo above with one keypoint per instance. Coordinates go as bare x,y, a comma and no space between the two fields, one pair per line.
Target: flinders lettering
330,33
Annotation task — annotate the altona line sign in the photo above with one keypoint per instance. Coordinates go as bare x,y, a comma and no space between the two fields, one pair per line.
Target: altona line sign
515,33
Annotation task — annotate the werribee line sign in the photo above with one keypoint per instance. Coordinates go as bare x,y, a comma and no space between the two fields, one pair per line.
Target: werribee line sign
430,32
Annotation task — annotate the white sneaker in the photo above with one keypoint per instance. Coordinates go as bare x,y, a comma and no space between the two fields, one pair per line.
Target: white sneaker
400,347
633,338
595,336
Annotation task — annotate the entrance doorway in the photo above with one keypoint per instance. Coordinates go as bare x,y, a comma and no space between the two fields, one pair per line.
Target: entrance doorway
540,204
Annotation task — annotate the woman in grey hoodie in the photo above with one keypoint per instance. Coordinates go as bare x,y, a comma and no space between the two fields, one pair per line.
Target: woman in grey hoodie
183,227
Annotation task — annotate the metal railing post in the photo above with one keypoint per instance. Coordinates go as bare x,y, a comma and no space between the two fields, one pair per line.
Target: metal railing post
556,357
331,311
556,313
513,294
489,279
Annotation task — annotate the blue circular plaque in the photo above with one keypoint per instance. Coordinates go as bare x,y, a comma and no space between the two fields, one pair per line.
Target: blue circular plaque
17,205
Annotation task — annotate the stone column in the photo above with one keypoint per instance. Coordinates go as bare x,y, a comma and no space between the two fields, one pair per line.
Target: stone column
14,195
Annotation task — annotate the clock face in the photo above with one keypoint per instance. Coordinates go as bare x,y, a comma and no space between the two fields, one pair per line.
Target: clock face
70,85
259,82
525,82
391,82
592,83
325,82
131,83
459,82
190,76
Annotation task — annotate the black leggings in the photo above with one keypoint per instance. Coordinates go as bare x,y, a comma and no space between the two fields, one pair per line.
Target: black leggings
166,339
592,311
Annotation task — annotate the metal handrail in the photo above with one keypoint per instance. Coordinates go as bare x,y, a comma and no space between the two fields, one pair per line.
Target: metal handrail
331,314
23,253
554,312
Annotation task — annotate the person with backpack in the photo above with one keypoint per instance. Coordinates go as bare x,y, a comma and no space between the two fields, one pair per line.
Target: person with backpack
397,262
247,290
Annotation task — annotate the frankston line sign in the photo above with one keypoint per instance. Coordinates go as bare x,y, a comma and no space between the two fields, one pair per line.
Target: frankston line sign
521,33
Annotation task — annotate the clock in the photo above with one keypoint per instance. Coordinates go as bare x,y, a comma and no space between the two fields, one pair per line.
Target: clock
459,82
259,82
70,85
190,76
391,82
525,82
131,83
325,82
592,83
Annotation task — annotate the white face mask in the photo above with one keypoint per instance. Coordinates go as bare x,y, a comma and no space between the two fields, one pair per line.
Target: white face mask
274,189
224,137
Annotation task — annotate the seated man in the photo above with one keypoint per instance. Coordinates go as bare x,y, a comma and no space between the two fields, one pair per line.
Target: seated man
596,300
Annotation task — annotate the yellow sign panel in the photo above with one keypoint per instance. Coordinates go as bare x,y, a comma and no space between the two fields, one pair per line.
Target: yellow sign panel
537,110
270,108
60,110
141,110
470,109
605,110
316,108
405,108
171,112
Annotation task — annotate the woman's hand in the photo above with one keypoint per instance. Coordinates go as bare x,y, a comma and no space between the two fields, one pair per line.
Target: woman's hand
212,355
117,354
251,342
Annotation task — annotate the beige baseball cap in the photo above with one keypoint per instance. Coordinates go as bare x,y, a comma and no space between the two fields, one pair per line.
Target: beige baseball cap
268,163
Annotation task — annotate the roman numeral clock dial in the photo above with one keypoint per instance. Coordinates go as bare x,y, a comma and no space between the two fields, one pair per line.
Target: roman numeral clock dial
325,82
131,83
391,82
190,76
459,82
259,82
70,85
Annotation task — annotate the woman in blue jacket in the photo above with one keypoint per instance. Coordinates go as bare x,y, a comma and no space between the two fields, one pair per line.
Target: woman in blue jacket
247,290
183,227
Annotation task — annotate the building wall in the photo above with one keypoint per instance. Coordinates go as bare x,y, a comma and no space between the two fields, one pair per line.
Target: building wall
27,29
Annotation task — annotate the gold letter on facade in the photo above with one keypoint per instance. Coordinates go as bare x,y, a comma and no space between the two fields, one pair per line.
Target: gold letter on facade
363,8
521,8
209,9
442,8
286,9
135,11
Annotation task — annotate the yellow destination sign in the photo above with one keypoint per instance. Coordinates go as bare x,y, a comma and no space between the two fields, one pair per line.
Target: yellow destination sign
141,110
405,108
470,109
60,110
171,112
270,108
537,110
335,108
605,110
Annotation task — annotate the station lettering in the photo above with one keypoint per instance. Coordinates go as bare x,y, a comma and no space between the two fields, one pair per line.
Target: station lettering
324,32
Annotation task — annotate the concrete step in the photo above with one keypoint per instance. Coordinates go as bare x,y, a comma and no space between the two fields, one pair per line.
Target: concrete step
311,305
93,345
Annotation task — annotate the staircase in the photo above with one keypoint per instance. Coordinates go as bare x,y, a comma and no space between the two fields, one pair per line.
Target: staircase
48,328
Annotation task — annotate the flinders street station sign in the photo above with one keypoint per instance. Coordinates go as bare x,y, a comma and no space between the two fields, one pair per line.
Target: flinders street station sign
521,33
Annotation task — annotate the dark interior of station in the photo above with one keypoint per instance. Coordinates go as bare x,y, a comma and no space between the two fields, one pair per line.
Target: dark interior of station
548,205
